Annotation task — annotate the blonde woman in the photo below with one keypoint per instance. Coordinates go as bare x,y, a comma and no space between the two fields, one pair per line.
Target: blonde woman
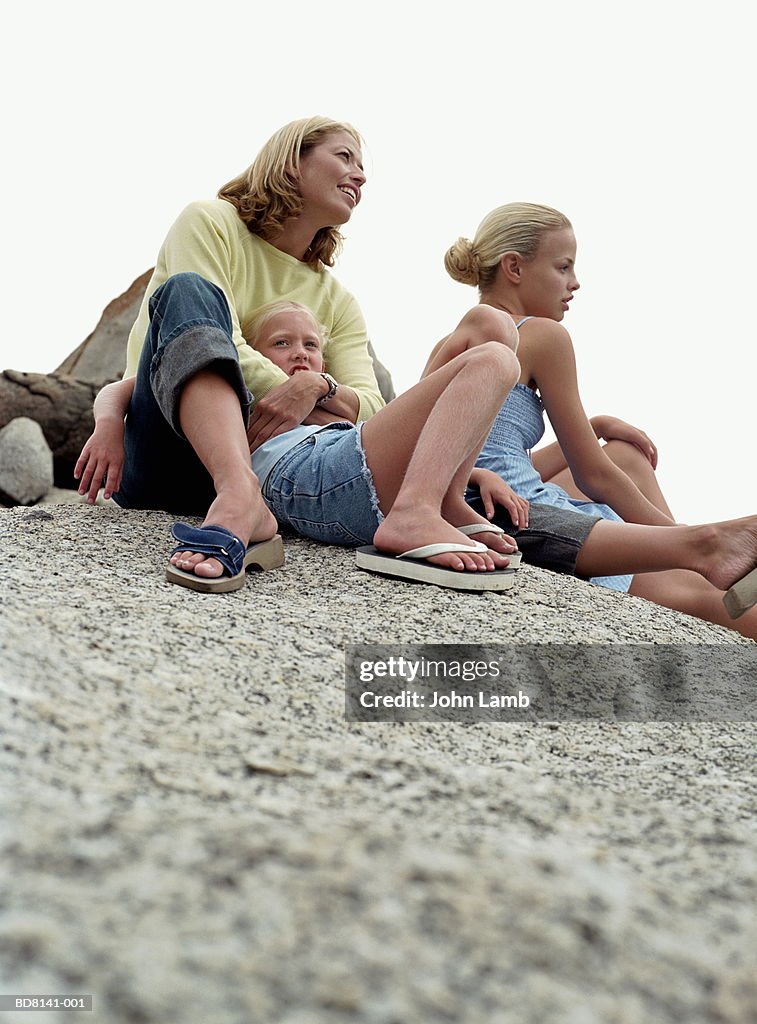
190,376
522,259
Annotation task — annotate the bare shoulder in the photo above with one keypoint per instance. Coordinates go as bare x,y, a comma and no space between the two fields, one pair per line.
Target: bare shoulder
544,345
540,330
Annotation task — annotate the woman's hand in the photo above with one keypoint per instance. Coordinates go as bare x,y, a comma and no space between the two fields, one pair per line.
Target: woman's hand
610,427
284,407
494,491
101,461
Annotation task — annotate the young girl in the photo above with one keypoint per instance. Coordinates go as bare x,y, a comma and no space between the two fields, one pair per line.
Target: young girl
523,261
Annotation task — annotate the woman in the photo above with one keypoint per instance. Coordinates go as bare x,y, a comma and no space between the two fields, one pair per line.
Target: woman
272,233
523,261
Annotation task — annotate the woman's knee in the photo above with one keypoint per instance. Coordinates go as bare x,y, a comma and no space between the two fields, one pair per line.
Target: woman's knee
188,287
190,298
485,323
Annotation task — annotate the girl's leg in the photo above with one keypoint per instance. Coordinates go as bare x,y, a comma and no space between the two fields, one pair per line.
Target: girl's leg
418,444
457,511
686,592
626,456
721,553
481,324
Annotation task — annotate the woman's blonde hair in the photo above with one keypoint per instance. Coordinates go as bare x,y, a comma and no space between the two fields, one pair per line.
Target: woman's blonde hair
261,317
267,193
516,227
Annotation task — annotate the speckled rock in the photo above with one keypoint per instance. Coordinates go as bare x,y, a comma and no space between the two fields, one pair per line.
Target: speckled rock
26,462
193,832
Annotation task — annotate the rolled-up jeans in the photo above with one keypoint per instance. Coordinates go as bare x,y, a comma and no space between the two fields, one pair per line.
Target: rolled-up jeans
190,330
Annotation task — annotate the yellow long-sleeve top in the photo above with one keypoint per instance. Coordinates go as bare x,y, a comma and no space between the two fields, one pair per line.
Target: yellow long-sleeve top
209,238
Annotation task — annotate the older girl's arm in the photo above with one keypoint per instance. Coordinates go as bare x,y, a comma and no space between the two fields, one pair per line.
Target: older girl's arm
552,365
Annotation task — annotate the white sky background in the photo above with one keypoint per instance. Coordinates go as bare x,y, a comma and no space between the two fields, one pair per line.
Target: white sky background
637,122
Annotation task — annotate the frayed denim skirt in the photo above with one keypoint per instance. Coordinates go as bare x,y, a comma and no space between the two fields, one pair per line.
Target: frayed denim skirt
323,489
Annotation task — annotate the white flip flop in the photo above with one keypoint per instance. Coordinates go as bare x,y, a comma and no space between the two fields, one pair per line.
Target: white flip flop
410,565
474,528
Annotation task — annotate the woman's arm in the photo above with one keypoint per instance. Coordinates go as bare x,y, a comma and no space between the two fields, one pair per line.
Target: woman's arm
102,457
294,402
547,354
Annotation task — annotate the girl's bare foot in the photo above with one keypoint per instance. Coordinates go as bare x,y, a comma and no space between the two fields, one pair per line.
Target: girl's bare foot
406,529
459,513
729,551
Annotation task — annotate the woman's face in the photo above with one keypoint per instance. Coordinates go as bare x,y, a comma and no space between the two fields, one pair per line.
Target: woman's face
291,341
331,179
548,281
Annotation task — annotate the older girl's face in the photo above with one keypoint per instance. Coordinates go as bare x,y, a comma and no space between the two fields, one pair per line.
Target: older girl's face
291,340
331,179
549,279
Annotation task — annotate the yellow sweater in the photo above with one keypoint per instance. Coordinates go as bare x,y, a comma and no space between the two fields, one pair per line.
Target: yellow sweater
210,239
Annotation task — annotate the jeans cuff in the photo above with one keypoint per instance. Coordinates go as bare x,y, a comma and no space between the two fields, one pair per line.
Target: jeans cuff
195,349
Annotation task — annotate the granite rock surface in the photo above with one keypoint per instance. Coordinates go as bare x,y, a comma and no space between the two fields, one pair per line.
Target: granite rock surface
192,832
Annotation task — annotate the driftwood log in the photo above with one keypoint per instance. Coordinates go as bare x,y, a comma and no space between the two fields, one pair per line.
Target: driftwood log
61,401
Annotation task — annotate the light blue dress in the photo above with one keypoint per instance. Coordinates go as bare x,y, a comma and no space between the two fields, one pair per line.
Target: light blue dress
518,428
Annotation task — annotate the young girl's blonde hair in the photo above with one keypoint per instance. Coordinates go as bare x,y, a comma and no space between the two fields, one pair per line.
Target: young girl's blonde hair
267,193
516,227
261,317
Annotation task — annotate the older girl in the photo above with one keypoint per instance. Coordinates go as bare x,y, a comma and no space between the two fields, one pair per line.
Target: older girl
523,261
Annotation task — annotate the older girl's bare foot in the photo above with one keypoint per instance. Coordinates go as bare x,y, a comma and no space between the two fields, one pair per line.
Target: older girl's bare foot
459,513
729,550
406,529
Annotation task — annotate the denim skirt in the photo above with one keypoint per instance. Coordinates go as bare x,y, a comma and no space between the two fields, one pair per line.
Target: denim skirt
323,489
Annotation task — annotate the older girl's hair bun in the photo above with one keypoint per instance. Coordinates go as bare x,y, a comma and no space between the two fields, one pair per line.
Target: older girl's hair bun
461,262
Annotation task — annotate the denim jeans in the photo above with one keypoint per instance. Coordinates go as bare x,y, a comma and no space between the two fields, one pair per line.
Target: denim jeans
190,330
553,538
323,489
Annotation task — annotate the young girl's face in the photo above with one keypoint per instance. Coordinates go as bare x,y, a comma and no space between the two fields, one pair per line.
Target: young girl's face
291,340
549,279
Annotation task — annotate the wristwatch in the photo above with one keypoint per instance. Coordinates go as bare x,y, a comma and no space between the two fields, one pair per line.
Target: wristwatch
331,391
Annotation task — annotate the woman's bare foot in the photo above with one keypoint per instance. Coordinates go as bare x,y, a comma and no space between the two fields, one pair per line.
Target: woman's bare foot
240,508
405,529
728,550
459,513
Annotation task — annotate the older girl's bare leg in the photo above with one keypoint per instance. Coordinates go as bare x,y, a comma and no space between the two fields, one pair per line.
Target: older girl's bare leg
625,456
720,553
685,591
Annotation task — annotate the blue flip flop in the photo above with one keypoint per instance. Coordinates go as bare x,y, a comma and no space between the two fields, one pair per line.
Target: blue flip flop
218,542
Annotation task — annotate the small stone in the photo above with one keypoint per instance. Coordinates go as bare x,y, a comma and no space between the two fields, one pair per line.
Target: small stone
26,462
